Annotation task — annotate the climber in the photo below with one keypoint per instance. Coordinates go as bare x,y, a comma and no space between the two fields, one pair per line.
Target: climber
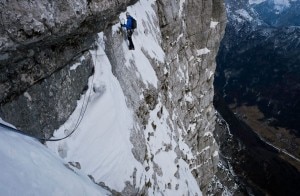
130,26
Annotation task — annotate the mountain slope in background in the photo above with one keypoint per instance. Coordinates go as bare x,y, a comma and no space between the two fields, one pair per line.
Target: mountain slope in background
278,13
258,74
258,69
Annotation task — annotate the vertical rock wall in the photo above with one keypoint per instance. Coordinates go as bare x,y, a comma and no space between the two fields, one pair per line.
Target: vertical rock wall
190,34
192,31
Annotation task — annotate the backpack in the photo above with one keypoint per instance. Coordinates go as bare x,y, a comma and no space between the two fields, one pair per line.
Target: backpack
133,23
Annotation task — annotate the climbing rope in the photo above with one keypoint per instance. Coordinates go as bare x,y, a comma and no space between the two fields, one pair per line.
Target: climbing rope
81,115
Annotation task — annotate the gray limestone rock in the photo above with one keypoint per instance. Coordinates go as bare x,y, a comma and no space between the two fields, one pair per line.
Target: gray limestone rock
187,35
191,43
43,107
39,41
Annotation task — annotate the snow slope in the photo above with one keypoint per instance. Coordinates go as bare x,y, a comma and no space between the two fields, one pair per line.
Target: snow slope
28,168
101,143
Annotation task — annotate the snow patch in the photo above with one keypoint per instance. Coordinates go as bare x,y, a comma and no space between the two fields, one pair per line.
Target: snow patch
203,51
192,127
244,14
191,58
189,97
280,5
75,65
180,73
181,7
216,153
213,24
27,95
208,134
256,1
209,73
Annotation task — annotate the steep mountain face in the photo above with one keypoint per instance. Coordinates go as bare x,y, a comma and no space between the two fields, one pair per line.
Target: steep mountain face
148,122
183,71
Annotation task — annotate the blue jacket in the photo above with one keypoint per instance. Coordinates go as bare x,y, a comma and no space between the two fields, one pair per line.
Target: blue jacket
128,25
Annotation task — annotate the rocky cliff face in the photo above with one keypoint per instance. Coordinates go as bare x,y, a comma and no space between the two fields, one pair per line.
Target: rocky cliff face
185,79
184,41
40,84
39,42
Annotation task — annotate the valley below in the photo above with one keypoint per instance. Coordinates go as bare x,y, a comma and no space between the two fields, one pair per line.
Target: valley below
257,86
282,139
260,167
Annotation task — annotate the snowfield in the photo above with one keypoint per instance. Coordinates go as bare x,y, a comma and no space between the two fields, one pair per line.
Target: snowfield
29,168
